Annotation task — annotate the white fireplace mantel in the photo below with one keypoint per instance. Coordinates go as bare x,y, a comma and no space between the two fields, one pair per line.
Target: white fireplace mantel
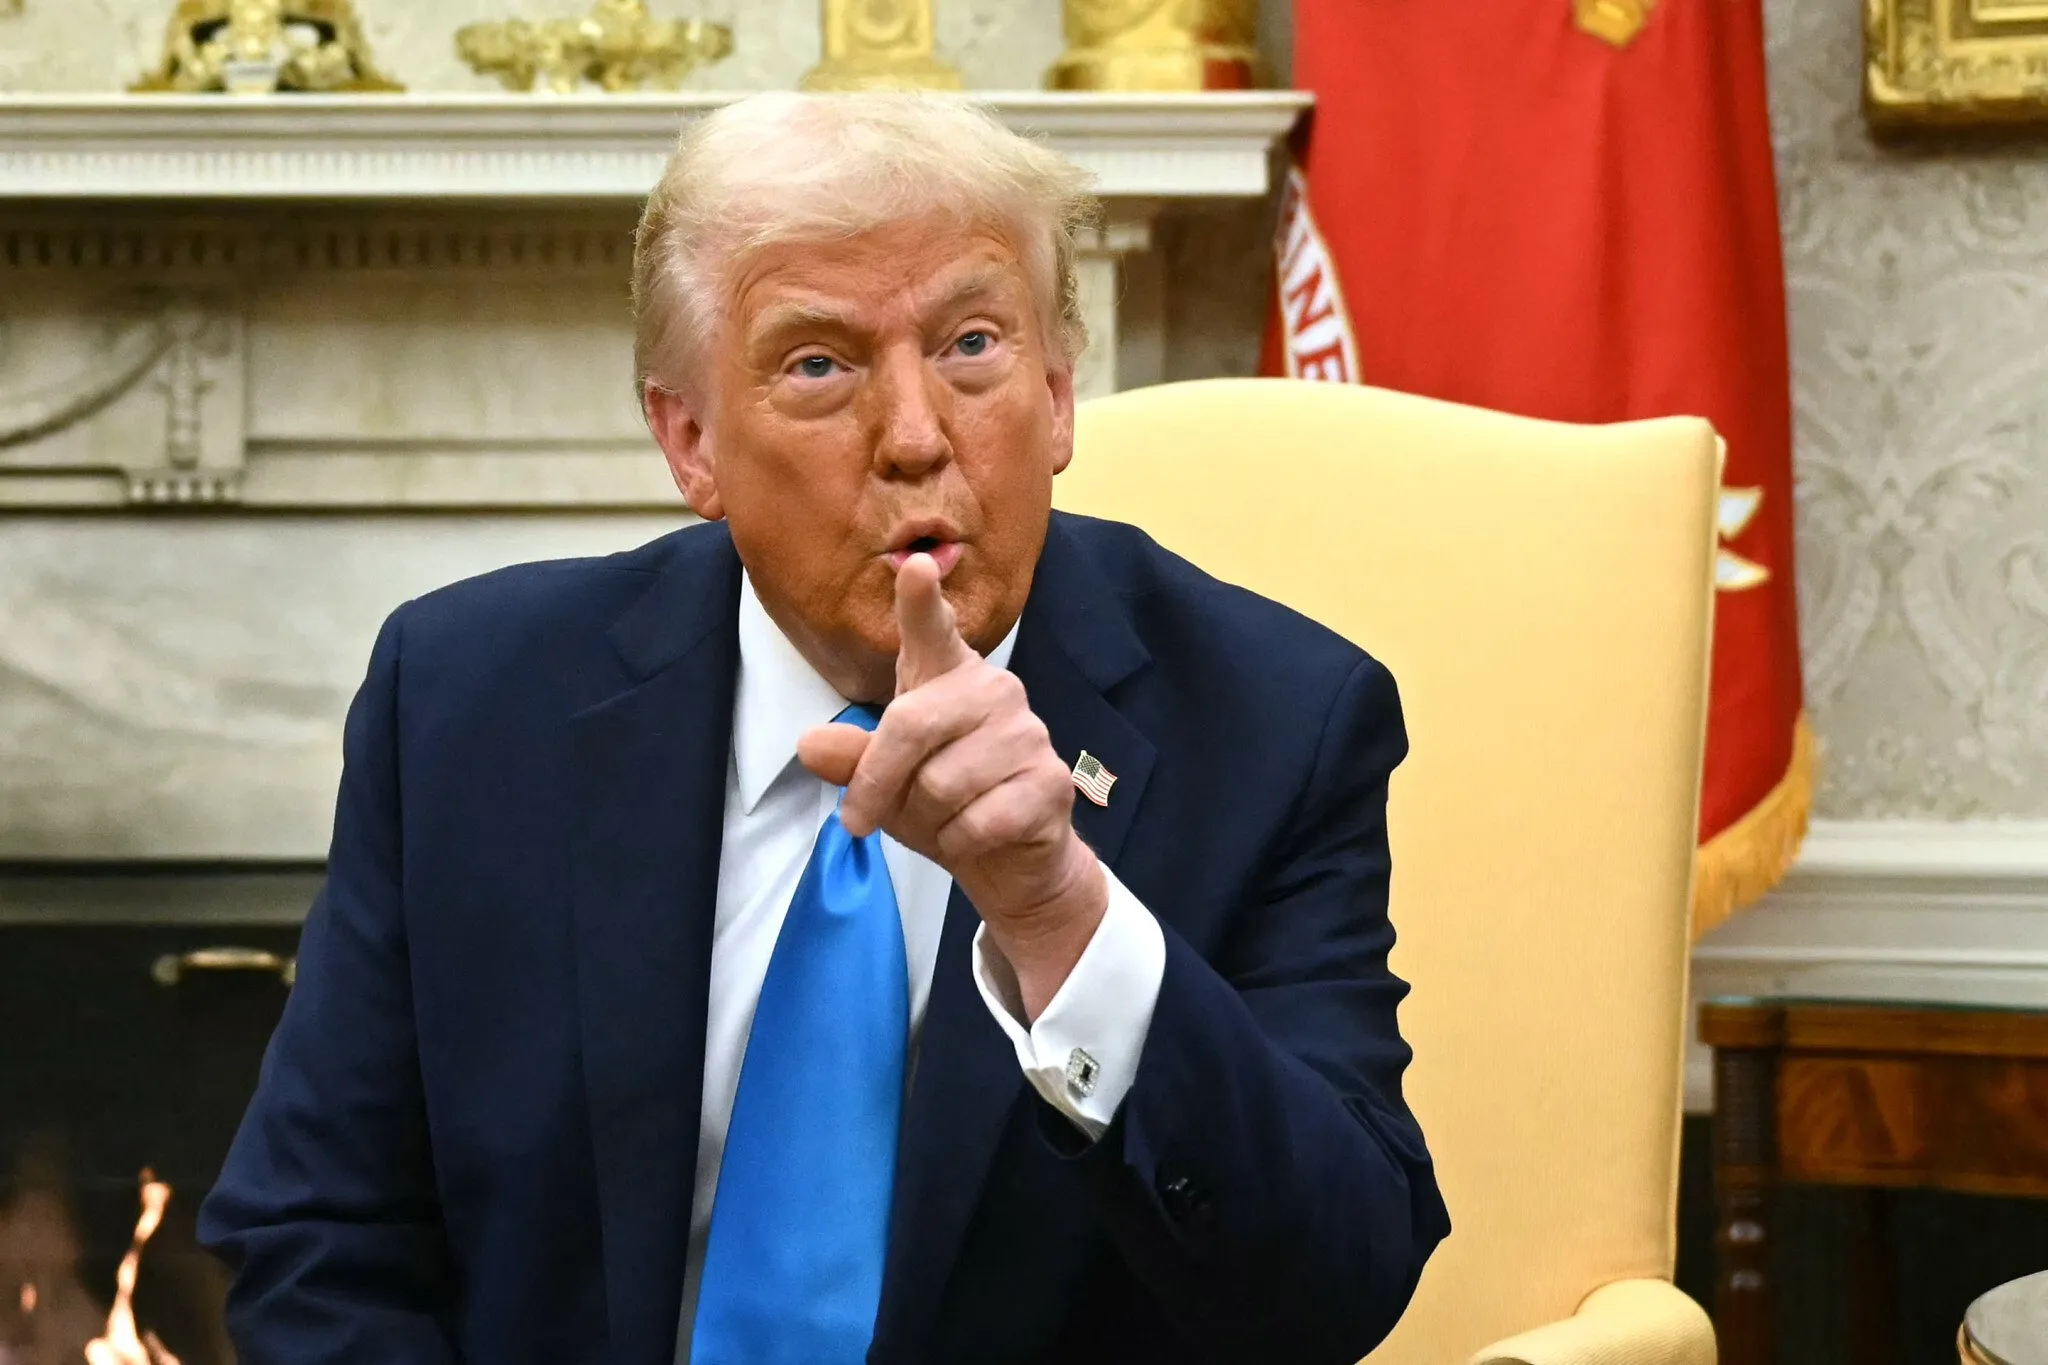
358,147
325,303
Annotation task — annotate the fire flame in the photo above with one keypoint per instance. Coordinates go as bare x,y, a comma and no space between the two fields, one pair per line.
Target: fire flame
119,1344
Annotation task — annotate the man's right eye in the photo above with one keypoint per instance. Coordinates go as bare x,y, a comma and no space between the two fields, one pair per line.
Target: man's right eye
815,367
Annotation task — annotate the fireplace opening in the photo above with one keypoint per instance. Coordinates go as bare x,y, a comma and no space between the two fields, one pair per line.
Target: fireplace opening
112,1064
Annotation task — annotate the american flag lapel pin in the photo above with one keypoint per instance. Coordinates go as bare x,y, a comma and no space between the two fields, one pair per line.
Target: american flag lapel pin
1093,780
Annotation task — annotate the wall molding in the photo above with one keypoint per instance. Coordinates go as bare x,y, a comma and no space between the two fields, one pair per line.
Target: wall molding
1904,909
504,146
232,245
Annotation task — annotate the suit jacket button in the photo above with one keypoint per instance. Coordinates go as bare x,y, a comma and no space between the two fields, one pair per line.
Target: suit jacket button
1182,1201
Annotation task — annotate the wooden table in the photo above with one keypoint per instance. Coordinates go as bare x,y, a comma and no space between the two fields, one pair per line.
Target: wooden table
2008,1326
1877,1095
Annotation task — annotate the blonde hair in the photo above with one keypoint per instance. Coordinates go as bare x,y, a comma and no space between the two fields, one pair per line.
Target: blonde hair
775,167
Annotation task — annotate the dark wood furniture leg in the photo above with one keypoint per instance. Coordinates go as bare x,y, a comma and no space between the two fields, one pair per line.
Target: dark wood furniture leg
1745,1041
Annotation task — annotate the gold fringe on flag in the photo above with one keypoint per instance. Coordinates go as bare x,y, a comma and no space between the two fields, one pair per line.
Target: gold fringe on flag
1748,858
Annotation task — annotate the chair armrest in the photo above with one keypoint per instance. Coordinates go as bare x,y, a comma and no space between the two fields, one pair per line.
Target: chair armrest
1629,1322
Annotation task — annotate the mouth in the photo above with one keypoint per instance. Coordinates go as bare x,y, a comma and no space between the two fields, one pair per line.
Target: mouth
930,536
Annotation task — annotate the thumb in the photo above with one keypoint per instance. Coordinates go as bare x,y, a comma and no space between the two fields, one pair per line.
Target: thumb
832,752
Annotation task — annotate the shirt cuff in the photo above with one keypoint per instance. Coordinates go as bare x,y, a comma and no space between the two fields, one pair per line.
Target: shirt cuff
1082,1053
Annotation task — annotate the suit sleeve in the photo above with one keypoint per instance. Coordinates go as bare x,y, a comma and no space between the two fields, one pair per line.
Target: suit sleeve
1264,1178
326,1208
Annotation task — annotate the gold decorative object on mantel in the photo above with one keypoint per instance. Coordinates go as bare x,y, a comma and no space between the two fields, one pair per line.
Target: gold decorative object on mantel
1158,45
618,46
1955,61
260,47
879,45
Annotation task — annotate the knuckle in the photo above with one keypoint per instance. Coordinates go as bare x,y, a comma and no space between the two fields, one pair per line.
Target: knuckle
973,826
996,824
943,789
919,717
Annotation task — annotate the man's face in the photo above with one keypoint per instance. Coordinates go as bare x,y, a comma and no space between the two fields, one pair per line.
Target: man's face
867,397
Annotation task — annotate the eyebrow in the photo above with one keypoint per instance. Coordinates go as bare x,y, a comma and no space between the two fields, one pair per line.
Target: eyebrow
982,280
787,317
798,316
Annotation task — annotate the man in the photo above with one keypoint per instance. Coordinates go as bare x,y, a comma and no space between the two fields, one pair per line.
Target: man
621,1035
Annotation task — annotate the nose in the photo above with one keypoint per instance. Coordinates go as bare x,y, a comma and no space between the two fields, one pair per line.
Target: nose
911,417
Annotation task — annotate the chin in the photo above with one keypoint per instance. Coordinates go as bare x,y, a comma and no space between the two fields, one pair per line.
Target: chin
973,612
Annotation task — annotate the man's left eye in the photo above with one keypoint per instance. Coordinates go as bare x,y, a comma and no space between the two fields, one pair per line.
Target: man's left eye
815,367
974,343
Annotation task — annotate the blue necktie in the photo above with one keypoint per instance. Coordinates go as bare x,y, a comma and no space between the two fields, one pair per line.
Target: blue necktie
793,1265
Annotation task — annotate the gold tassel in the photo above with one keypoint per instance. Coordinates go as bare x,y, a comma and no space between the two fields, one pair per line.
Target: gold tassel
1748,858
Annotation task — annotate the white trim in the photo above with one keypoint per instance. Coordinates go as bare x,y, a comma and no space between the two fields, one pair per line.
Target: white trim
491,146
1976,852
1890,910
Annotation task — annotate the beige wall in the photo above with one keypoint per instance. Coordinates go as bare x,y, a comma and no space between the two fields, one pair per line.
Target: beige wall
1919,285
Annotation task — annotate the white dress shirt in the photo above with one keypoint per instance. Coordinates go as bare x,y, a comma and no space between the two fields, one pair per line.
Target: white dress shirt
773,810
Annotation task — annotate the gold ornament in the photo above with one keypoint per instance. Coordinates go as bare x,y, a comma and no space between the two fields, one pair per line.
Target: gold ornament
1616,22
1950,63
1158,45
618,46
259,47
879,45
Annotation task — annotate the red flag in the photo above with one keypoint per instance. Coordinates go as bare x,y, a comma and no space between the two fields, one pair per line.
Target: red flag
1566,208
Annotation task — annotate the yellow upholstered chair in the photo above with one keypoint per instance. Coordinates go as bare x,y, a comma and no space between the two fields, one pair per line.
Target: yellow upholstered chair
1542,595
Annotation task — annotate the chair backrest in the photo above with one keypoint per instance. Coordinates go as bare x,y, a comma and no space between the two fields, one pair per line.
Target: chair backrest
1542,593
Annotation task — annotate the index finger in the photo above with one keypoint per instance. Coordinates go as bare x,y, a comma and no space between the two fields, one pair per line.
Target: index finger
929,640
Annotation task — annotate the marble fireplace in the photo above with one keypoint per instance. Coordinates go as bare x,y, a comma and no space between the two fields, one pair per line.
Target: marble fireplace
268,368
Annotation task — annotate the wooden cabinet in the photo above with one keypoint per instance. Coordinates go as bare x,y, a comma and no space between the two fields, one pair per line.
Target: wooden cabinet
1877,1096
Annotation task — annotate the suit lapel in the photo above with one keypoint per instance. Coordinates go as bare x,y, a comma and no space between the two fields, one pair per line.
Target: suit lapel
651,765
1074,646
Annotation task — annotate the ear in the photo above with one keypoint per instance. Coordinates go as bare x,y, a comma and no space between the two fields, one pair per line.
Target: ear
678,429
1060,380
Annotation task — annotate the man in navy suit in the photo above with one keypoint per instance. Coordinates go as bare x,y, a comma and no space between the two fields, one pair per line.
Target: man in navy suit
889,921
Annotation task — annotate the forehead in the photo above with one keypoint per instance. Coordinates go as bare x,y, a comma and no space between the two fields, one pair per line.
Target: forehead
898,269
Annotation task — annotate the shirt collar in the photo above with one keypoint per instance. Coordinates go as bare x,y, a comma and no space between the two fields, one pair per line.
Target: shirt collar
780,696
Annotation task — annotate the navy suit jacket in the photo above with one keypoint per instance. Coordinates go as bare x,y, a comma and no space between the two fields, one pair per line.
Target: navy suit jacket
475,1135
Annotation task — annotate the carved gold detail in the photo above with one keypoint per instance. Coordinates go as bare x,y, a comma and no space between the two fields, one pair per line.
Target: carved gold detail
263,46
1955,61
879,45
1612,21
617,46
1158,45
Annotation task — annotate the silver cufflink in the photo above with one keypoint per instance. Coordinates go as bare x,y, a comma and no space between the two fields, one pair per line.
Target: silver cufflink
1081,1073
